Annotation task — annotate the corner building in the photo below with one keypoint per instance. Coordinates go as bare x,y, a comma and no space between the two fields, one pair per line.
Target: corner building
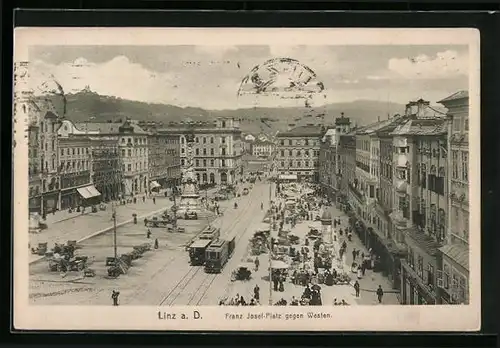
298,152
453,275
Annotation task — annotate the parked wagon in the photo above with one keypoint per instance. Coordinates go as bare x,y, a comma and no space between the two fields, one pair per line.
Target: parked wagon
155,222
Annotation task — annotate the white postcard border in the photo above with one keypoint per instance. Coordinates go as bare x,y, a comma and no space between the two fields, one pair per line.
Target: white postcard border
351,318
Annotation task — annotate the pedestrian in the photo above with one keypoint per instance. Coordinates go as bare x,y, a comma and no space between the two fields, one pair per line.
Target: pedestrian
380,293
257,263
148,233
156,243
145,222
256,292
261,206
154,200
114,297
356,288
354,253
143,199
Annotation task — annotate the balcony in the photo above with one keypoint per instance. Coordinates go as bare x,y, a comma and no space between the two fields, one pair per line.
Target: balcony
401,186
356,193
402,161
398,218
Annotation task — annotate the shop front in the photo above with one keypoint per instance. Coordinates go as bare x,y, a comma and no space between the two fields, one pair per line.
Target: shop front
154,186
35,204
50,201
89,195
70,198
414,291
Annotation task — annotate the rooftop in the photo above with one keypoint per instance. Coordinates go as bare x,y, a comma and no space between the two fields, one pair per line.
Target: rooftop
458,253
455,96
436,126
376,126
108,128
302,131
426,242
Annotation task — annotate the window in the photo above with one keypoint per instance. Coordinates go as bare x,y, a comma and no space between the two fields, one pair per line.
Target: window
197,140
420,266
466,226
182,140
430,274
411,258
298,153
204,151
299,164
204,140
290,164
197,163
290,142
282,142
306,152
454,160
223,163
306,163
204,163
123,152
72,150
223,140
282,153
290,153
282,164
197,151
129,167
223,152
456,123
212,162
465,166
183,150
211,140
129,153
223,124
423,179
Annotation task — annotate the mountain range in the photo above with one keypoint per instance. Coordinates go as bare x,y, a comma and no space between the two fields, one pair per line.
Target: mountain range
87,105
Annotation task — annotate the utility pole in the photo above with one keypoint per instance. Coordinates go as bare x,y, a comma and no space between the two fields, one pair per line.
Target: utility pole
271,225
174,193
115,245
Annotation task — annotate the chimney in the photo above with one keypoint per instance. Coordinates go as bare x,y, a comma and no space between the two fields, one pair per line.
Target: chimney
341,115
378,118
421,105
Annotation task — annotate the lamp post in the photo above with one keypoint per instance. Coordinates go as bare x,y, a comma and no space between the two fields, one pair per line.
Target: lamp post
115,245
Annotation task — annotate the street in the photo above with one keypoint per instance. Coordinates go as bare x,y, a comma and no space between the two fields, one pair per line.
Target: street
160,277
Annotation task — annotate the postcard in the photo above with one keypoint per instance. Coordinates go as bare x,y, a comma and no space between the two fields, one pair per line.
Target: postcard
247,179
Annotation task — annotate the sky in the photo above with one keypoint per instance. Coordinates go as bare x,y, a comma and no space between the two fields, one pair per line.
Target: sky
210,76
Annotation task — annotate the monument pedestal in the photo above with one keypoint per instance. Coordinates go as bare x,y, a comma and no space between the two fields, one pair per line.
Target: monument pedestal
189,203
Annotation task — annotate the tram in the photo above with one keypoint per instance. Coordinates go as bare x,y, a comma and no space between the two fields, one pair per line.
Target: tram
210,233
197,251
217,254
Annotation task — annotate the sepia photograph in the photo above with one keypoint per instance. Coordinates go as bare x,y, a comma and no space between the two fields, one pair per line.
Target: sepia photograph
246,179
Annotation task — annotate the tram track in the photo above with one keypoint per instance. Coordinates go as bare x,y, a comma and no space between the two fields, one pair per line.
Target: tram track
190,278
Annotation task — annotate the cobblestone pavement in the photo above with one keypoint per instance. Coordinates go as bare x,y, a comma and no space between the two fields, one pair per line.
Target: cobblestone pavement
77,226
368,283
151,277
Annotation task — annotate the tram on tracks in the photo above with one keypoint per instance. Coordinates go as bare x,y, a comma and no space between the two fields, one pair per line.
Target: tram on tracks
197,251
218,254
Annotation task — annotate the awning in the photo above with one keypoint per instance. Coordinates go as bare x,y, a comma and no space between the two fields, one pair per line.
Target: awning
278,264
288,177
88,191
154,184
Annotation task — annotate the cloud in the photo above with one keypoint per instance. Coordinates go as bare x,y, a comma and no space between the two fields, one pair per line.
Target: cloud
216,51
446,64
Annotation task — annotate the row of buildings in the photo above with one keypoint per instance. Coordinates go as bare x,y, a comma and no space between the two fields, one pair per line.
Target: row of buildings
72,164
404,182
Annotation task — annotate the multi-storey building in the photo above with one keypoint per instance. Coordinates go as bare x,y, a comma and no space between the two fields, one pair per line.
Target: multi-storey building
164,159
420,198
75,168
328,163
217,148
347,168
106,165
453,275
364,196
43,162
298,152
133,151
263,148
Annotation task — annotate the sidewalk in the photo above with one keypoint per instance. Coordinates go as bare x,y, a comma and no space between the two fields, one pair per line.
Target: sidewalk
79,226
370,282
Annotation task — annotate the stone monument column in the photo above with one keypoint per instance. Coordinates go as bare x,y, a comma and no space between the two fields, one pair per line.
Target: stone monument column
190,198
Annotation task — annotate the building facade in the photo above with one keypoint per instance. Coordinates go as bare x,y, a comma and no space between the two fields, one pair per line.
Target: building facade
164,159
298,152
75,168
107,166
453,275
218,149
347,167
44,184
263,148
133,145
420,199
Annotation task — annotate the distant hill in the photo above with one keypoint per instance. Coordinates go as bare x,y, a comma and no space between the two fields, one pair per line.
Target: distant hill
87,105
